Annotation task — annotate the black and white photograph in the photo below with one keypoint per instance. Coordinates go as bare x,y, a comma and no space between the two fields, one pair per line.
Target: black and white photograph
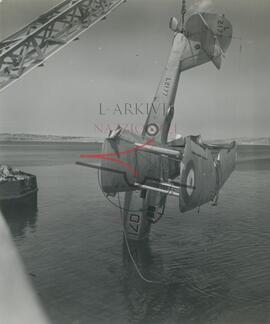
134,162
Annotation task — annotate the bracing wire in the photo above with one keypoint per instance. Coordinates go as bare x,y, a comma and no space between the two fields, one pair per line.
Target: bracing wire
129,251
119,206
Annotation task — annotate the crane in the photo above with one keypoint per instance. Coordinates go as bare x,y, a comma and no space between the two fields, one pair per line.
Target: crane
35,43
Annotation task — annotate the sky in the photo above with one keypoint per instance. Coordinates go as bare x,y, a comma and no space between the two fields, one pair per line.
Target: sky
83,89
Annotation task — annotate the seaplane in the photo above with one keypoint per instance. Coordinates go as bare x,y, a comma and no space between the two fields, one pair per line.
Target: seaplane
149,168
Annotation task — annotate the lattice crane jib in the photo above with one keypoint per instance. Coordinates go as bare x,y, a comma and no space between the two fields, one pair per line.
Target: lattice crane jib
49,33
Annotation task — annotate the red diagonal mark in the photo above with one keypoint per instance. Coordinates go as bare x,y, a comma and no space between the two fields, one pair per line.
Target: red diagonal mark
103,155
109,157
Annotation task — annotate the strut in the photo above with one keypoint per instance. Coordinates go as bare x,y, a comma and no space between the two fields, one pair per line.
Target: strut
36,42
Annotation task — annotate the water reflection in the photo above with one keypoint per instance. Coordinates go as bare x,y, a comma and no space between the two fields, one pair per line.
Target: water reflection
149,263
20,219
147,302
175,294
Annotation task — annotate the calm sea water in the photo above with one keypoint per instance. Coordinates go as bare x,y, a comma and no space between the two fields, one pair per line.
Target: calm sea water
209,267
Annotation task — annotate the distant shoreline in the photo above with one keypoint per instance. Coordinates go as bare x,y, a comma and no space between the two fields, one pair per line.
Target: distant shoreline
35,139
23,142
94,143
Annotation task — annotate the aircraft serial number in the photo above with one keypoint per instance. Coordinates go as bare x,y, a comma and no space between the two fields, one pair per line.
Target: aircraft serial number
166,87
134,221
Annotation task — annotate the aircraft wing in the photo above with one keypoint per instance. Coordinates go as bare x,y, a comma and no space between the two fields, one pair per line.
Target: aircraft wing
221,146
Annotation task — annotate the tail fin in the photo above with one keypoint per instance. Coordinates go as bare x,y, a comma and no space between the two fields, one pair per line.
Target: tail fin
209,37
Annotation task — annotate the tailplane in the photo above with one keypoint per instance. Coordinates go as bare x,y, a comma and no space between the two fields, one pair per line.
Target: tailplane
208,38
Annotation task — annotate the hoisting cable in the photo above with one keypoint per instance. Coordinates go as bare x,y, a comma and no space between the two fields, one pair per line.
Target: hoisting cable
129,251
164,280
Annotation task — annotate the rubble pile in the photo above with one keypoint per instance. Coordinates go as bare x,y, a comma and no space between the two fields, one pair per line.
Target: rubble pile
9,174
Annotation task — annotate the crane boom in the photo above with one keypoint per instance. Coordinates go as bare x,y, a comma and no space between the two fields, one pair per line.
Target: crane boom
46,35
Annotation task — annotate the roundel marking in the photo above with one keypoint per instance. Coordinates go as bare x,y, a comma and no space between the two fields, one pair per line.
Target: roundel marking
152,129
189,181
